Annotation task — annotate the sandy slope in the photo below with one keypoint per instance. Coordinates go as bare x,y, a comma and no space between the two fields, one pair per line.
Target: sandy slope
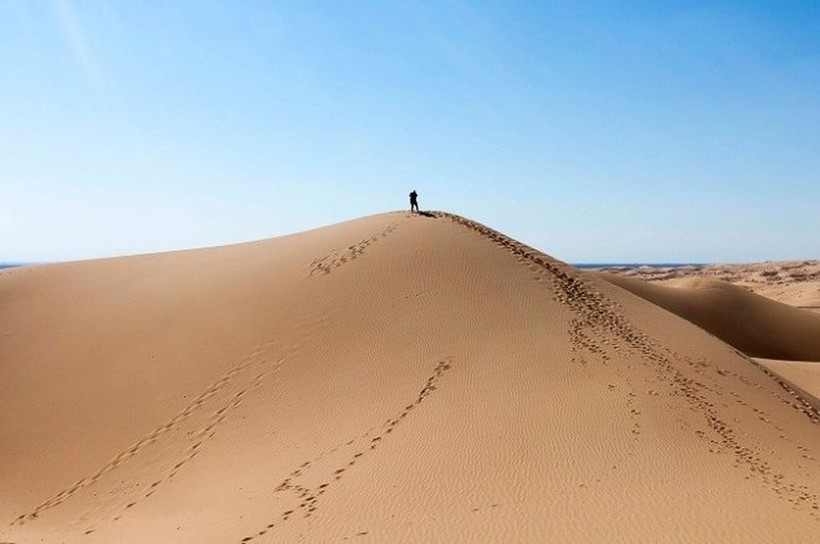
391,379
763,327
800,375
756,325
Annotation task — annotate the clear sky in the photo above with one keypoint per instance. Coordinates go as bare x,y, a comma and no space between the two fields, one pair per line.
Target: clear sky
595,131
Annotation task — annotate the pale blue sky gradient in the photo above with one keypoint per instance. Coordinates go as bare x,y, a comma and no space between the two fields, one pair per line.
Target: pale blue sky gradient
594,131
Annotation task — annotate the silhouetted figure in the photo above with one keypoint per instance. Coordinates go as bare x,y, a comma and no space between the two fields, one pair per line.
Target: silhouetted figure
414,201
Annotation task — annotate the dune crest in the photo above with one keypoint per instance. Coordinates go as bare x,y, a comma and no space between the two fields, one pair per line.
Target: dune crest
400,378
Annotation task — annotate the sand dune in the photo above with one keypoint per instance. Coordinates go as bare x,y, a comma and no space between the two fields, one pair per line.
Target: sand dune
799,295
756,325
796,283
397,378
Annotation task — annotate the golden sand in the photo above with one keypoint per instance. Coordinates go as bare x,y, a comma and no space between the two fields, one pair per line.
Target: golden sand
397,378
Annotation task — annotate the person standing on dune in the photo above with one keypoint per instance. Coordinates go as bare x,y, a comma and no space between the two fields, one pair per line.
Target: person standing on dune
414,202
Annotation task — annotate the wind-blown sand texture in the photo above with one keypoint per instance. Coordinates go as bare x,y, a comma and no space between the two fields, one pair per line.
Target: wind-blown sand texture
397,378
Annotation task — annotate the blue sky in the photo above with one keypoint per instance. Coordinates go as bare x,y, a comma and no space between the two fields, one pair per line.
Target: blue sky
595,131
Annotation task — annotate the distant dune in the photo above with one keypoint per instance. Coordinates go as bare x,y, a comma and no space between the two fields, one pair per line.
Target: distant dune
796,283
756,325
397,378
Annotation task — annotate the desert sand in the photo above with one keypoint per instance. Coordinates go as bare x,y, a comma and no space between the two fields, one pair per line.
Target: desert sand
756,325
796,283
770,311
396,378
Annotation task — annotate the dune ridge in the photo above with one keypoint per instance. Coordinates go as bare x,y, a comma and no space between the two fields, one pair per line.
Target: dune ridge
392,378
